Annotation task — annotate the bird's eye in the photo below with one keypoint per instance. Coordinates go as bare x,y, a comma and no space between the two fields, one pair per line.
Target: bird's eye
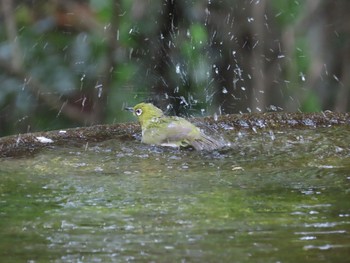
138,112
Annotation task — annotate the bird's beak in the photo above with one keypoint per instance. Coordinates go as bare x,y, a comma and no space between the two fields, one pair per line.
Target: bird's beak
131,109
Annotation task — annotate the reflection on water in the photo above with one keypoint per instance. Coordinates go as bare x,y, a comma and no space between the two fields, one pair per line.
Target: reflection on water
274,197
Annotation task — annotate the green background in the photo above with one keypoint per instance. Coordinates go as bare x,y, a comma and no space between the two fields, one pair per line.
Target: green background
76,63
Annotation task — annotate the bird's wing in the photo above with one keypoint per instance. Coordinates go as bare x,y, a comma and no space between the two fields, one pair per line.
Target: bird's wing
176,131
170,129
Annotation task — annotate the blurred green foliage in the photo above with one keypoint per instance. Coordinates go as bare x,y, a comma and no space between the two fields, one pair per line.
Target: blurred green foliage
287,12
71,63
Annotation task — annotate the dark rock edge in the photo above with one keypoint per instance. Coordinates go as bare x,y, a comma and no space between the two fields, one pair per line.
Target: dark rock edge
29,143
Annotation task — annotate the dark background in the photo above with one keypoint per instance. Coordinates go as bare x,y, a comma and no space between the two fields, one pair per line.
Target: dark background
75,63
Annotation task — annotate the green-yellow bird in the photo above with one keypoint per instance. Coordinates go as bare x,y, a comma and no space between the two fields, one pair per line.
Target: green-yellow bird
158,129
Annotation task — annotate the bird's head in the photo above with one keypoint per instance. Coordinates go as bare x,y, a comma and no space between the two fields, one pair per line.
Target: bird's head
145,112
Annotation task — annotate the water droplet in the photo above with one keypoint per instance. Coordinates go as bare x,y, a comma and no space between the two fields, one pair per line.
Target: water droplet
183,100
325,69
272,108
177,68
99,88
278,14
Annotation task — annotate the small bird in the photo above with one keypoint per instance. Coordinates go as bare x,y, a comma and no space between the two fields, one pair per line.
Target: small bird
158,129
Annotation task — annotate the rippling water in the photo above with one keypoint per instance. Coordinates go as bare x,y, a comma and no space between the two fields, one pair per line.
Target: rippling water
276,196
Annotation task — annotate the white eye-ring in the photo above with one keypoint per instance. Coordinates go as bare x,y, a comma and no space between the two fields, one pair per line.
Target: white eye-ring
138,112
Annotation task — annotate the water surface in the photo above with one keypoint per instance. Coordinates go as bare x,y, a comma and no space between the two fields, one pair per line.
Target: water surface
275,196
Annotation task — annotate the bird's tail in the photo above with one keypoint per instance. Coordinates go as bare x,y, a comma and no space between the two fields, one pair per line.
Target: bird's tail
206,143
